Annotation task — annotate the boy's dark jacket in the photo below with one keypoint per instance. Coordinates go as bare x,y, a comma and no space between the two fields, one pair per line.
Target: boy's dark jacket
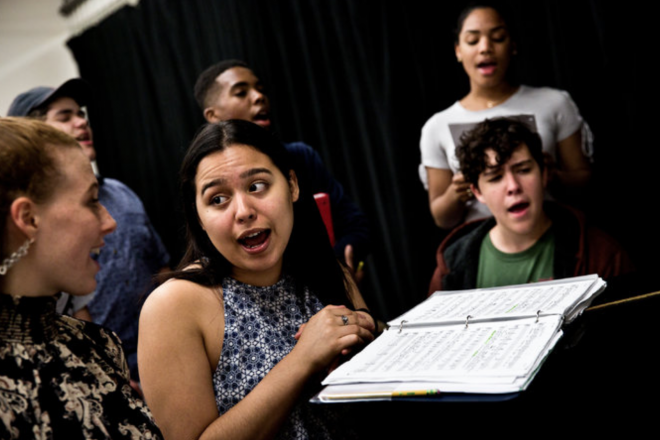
579,250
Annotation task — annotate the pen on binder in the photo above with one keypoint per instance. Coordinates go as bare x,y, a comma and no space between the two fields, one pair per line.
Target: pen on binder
376,395
415,393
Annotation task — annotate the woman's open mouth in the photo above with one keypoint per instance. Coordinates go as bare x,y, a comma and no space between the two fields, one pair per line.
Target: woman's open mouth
255,240
487,67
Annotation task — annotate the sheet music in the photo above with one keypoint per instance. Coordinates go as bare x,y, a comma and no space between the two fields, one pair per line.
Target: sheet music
500,350
521,300
482,352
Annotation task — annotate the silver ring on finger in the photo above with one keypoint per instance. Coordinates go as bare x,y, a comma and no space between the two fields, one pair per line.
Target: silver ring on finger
344,319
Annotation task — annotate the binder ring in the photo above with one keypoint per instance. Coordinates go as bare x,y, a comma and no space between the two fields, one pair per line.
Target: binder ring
538,313
401,325
467,320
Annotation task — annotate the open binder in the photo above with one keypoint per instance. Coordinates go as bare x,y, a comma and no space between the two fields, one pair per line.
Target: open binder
486,341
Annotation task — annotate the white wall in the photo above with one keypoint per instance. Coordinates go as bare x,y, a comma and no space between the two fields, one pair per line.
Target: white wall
33,48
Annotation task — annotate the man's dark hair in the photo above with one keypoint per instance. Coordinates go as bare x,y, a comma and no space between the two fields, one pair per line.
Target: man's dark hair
501,135
206,87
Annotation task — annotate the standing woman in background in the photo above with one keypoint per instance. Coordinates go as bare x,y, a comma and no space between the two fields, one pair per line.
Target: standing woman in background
485,47
60,378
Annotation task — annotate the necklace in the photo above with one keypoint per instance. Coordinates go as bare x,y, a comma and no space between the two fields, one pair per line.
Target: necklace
476,103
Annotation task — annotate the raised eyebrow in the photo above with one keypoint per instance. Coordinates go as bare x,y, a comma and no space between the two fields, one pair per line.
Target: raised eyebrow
211,184
245,174
254,171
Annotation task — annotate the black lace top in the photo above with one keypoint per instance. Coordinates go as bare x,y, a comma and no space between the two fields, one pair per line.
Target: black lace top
64,378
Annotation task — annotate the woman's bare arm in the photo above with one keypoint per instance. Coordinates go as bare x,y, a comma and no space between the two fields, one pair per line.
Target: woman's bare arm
573,170
178,356
447,196
175,369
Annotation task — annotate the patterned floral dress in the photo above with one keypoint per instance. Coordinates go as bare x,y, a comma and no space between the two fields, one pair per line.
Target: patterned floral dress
61,378
260,324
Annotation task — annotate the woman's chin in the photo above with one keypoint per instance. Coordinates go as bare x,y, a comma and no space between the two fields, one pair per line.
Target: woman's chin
82,289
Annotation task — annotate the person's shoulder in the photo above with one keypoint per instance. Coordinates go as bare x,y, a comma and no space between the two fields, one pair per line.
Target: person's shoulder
85,329
177,296
443,116
115,184
607,256
298,146
466,234
304,155
544,95
301,149
106,343
179,292
118,190
599,239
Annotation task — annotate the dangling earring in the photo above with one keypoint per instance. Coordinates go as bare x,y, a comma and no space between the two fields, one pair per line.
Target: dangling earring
13,258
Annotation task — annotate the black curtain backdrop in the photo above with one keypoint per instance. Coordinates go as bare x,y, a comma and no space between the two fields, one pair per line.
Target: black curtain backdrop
357,80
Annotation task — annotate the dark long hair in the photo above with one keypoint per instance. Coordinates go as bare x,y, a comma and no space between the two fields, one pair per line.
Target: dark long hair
308,257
